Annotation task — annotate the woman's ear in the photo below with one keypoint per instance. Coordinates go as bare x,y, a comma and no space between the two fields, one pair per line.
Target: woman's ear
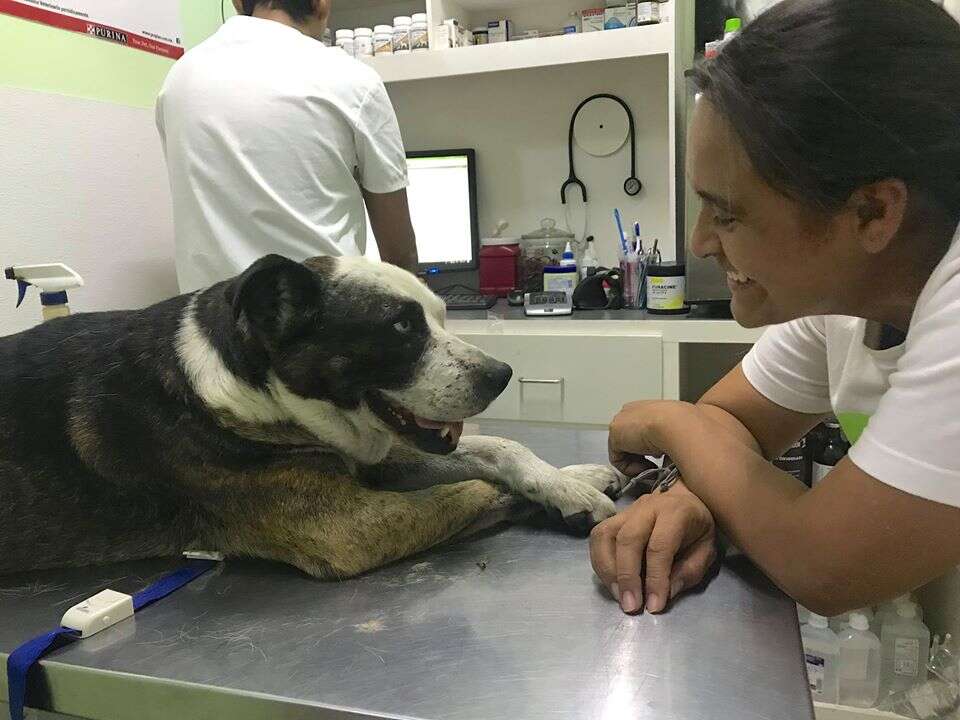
880,208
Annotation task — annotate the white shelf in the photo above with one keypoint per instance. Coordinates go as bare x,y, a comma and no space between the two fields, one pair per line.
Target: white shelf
540,52
720,332
826,711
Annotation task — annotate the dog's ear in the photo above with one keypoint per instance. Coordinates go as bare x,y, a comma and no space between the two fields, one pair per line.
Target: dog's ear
276,296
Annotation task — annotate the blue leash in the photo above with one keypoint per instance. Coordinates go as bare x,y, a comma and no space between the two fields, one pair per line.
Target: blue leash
27,655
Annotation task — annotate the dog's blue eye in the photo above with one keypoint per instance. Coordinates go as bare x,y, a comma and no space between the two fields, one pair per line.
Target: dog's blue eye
403,327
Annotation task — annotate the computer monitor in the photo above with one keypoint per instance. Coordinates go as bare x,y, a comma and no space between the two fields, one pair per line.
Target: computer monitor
443,208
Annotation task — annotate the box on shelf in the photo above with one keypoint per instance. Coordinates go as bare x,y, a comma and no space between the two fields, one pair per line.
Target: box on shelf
616,17
592,19
525,35
450,35
647,13
500,30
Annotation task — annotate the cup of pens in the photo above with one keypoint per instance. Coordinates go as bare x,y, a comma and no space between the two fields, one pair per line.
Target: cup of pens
634,260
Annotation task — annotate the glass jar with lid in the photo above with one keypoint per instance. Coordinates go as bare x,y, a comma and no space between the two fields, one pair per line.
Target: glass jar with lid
539,249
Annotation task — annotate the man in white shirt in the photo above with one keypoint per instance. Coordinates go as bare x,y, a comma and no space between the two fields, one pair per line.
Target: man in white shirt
276,144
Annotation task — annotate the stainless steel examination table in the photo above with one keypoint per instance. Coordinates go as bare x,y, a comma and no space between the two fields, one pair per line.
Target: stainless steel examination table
510,625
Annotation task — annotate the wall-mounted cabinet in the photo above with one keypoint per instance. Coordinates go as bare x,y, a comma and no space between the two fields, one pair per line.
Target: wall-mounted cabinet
512,102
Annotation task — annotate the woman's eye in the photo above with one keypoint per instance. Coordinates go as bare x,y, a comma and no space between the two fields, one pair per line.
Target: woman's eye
403,327
724,221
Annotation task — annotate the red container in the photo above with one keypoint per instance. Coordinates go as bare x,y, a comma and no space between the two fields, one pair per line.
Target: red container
499,263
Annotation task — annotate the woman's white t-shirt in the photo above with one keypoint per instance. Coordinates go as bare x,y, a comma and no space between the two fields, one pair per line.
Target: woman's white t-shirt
899,407
269,137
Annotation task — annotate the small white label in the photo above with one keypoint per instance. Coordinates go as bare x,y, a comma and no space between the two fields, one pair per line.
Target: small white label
906,657
560,282
816,669
666,293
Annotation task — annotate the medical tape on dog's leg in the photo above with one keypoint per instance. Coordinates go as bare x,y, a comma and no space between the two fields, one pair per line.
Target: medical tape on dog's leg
103,610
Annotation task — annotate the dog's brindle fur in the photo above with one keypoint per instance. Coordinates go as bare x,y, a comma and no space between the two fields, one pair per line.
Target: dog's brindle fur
239,419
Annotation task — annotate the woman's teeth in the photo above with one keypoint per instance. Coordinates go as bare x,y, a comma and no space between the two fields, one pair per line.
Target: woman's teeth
738,277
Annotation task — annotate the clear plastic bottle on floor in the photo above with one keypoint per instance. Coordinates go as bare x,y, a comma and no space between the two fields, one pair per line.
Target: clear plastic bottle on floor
859,673
888,610
905,649
839,623
821,649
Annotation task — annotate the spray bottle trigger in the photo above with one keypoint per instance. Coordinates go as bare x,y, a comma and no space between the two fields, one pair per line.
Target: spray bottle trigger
22,286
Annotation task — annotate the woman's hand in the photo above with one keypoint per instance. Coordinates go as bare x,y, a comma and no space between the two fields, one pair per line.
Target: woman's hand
635,432
668,537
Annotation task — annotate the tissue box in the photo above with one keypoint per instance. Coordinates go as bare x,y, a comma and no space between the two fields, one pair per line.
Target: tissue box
500,30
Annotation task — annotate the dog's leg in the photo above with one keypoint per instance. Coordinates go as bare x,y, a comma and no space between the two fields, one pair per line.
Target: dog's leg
577,493
343,529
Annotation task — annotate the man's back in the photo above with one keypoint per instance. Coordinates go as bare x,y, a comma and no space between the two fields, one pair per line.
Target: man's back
264,129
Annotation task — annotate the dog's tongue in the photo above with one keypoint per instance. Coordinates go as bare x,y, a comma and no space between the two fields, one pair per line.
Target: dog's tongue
456,429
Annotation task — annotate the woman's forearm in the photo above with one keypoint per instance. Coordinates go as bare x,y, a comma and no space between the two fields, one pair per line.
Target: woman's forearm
754,503
731,424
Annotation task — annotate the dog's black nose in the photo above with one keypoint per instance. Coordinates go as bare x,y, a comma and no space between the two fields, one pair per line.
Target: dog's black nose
495,378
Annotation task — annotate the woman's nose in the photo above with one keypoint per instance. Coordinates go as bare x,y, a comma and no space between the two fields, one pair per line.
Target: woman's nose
704,242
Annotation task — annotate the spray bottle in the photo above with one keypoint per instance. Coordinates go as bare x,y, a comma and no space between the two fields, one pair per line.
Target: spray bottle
52,280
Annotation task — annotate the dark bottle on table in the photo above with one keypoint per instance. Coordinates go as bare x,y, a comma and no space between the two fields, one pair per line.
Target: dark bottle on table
793,461
833,449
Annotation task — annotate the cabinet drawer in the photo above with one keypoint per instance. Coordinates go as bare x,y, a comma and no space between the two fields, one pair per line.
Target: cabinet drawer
573,378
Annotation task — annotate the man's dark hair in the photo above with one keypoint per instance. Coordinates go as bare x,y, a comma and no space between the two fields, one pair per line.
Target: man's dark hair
298,10
830,95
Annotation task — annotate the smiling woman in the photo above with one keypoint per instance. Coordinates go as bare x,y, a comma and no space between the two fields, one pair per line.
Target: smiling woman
826,146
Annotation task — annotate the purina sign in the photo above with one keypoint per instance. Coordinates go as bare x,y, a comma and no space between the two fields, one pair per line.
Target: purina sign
152,26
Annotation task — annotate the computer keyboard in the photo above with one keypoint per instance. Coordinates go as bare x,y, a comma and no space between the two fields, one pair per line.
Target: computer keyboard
469,301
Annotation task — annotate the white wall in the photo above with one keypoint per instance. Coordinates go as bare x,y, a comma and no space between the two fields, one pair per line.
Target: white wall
83,183
518,123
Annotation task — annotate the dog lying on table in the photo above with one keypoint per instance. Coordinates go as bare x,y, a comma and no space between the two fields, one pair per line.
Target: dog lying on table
307,413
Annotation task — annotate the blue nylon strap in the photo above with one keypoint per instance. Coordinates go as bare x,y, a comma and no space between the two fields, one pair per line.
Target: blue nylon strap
27,655
172,582
23,658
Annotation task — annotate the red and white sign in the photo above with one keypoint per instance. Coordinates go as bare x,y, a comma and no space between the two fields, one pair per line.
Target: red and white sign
150,25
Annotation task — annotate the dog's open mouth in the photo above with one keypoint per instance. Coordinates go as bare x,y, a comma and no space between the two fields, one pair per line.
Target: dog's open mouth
432,436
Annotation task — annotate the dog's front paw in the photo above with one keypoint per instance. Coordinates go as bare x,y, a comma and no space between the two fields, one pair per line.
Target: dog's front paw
581,505
604,478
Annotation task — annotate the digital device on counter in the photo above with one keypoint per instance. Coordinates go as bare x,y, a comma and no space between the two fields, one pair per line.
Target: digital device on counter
443,208
469,301
541,304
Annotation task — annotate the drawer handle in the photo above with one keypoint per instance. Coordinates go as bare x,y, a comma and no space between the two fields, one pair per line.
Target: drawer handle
539,381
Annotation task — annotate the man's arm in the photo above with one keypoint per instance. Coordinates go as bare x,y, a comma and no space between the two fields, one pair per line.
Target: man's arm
390,218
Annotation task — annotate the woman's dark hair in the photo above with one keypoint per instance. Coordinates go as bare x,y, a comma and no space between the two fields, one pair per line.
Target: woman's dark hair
298,10
830,95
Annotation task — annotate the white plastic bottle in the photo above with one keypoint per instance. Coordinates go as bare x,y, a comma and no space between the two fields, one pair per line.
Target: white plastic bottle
839,623
888,610
401,34
419,33
346,42
383,40
363,42
905,645
859,673
589,260
821,649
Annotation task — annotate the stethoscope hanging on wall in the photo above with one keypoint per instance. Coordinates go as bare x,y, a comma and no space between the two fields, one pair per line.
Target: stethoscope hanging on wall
600,131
